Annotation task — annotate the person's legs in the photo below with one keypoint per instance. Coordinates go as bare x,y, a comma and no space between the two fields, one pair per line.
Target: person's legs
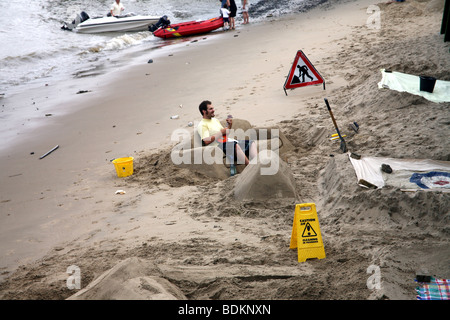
250,149
234,151
245,16
241,151
253,151
240,155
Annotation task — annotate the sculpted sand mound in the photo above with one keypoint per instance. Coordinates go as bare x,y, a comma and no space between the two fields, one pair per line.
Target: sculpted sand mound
269,178
131,279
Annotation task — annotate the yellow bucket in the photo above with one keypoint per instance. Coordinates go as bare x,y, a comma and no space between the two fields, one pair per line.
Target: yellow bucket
124,166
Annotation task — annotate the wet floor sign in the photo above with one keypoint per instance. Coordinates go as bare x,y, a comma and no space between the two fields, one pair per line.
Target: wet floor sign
306,236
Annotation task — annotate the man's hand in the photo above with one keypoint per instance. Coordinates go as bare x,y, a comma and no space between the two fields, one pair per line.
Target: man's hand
216,136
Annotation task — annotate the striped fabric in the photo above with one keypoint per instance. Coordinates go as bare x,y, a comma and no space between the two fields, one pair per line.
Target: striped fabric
436,289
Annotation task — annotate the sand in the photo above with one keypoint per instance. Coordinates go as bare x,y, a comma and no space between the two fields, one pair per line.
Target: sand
62,211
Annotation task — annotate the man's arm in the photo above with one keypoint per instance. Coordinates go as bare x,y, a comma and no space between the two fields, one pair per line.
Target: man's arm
216,136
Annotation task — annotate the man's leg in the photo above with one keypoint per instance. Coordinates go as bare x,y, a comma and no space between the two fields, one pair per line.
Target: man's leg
253,152
250,150
234,152
240,154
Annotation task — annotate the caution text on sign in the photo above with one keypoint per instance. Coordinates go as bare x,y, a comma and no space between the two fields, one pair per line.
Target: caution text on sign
306,236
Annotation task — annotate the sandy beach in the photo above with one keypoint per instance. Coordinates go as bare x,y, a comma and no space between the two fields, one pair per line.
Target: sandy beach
63,210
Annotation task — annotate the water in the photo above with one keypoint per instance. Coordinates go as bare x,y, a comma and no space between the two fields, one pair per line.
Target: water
35,49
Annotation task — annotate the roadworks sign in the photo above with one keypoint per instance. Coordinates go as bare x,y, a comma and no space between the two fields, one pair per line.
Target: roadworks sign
306,236
302,73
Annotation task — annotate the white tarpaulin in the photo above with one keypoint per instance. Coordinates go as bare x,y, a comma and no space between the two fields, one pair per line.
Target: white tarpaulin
405,82
406,174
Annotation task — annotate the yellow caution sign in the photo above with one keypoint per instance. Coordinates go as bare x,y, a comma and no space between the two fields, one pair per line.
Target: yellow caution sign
306,236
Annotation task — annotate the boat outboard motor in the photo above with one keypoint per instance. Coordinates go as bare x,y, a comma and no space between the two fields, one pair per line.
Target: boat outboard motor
83,16
163,22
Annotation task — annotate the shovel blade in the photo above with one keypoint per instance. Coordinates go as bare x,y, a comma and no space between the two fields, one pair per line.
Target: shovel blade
343,145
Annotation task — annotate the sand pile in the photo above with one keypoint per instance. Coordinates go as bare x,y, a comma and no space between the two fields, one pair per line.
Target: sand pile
254,183
131,279
242,249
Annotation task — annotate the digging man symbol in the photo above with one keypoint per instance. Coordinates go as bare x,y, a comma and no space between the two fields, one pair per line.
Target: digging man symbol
303,70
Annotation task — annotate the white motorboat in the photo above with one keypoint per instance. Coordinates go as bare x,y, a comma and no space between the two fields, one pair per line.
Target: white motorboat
123,23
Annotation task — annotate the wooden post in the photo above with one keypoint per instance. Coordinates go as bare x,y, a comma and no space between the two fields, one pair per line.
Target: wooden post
445,16
445,27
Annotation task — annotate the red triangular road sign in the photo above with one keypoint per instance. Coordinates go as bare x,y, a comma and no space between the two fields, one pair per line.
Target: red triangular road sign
302,73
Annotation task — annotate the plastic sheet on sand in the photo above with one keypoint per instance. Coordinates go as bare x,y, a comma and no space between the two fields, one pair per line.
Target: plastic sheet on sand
409,83
407,174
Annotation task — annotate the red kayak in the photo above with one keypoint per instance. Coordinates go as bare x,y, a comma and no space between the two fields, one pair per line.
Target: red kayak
189,28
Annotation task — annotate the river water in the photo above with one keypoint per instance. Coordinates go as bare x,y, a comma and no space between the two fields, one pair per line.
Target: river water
34,49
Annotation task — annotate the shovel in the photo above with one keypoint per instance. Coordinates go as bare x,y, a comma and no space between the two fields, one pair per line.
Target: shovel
343,144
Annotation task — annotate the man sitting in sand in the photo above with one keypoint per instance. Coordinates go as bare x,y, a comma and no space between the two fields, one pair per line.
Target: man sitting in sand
212,132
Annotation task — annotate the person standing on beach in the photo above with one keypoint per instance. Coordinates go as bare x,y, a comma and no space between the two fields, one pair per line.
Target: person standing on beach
233,11
213,133
245,6
117,8
226,20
